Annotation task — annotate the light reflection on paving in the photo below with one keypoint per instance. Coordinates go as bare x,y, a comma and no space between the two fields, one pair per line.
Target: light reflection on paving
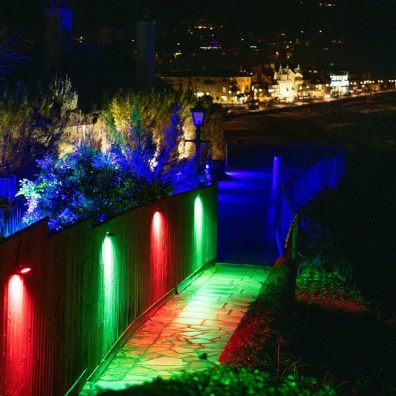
189,332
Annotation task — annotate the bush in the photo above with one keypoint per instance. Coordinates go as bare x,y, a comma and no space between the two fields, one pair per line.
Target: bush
155,109
87,182
32,126
228,381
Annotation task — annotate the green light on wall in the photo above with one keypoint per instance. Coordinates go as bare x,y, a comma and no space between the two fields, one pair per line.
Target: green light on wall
198,233
108,296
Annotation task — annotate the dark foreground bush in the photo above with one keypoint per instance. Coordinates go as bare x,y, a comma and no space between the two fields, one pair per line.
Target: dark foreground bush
229,381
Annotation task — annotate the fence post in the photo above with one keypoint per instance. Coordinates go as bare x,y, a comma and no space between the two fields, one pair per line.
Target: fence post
294,236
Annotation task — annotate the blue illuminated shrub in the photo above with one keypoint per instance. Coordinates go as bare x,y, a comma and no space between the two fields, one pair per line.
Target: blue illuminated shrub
88,182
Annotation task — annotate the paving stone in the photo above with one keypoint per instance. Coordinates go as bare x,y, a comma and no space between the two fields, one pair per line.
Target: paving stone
181,350
199,320
164,361
159,348
191,333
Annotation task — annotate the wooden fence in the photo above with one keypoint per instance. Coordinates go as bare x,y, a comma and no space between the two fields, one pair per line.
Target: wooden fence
87,284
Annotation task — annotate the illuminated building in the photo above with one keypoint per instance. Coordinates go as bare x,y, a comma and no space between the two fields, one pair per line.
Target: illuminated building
339,84
287,83
223,87
327,4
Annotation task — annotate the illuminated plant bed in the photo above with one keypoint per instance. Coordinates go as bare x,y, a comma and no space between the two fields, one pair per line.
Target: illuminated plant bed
230,381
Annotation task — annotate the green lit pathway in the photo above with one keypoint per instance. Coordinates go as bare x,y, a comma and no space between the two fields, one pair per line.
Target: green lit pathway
189,332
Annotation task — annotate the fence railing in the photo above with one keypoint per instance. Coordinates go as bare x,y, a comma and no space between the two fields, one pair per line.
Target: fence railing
87,284
253,156
8,187
326,173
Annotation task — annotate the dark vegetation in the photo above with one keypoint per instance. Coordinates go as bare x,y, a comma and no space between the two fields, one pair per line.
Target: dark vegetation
348,236
336,336
229,381
353,228
327,333
257,330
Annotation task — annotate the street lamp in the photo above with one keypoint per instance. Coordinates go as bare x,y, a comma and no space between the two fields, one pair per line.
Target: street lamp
198,116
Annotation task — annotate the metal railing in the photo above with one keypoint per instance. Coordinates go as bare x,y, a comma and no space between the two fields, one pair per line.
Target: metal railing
8,187
326,173
260,156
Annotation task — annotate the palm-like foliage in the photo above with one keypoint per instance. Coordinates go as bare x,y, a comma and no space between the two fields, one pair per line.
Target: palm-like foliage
10,58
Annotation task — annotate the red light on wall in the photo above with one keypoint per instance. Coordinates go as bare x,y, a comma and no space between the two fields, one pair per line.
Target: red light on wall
24,269
157,221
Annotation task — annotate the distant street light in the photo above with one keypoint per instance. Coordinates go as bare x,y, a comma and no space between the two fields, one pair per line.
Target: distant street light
198,116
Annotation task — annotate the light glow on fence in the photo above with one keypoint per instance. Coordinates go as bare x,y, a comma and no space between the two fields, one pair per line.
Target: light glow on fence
108,297
158,256
18,334
198,233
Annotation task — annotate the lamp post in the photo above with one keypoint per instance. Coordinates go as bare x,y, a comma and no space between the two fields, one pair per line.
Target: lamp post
198,116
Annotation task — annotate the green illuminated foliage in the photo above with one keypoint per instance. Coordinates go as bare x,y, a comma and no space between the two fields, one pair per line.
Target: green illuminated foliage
229,381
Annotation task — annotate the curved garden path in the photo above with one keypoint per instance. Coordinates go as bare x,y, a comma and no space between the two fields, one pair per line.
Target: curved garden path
189,332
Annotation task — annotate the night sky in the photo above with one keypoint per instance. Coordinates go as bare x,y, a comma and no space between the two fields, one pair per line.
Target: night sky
367,27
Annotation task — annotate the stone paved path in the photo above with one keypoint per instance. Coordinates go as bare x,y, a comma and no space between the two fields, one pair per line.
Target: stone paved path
189,332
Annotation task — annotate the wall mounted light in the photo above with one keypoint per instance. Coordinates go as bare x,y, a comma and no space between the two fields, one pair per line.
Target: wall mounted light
157,219
110,234
23,269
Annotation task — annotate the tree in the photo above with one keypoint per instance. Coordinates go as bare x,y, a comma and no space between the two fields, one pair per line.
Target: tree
155,109
32,126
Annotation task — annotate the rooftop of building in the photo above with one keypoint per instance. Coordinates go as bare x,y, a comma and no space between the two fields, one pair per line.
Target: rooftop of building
205,73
